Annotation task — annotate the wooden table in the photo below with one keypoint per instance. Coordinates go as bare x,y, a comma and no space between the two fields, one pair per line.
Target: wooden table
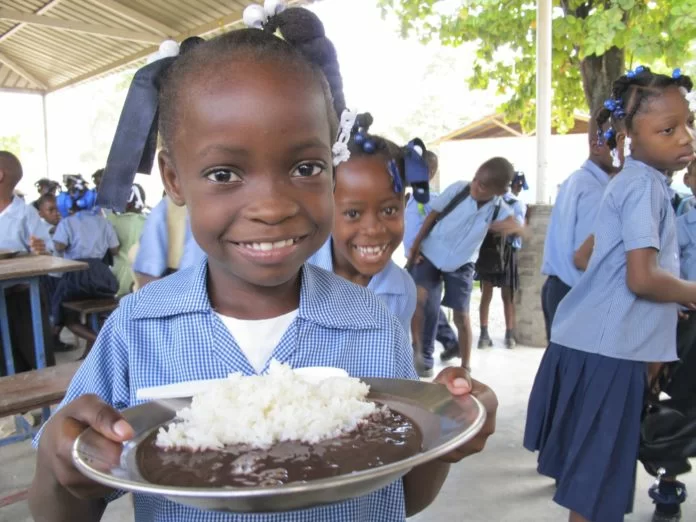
27,270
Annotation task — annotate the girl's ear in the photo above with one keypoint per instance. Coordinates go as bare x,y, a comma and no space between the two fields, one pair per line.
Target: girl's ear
169,178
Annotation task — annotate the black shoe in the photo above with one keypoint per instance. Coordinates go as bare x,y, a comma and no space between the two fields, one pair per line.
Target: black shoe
484,342
667,497
449,353
424,370
510,342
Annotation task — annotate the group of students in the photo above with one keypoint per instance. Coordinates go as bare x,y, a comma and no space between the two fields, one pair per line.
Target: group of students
619,265
295,210
71,226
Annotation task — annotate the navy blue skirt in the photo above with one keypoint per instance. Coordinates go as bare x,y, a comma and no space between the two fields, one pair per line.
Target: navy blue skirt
584,419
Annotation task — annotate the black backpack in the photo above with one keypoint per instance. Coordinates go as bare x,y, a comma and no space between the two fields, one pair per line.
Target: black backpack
494,252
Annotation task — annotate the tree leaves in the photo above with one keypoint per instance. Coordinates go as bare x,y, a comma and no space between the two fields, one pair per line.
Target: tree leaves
652,32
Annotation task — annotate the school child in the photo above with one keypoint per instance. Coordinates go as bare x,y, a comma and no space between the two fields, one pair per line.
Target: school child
48,211
22,231
250,155
129,227
87,236
688,202
446,249
414,216
508,278
617,324
572,218
369,221
166,244
45,186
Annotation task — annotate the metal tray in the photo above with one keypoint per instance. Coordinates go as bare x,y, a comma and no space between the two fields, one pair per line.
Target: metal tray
445,421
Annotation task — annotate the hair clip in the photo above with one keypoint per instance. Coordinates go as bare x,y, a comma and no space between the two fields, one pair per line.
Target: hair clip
396,177
256,16
340,148
676,73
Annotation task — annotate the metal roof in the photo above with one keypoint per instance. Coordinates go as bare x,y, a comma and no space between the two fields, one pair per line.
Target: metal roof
47,45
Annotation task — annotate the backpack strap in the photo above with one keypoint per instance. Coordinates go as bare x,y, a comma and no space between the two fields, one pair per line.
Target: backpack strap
456,200
496,211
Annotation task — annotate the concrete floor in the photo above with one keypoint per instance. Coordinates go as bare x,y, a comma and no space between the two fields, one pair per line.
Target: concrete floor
499,485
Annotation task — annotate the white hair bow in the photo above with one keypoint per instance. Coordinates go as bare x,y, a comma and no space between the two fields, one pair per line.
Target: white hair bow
167,49
340,148
691,98
135,198
256,16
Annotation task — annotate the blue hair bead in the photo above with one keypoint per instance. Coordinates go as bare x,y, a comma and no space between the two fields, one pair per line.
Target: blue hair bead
676,73
631,74
359,138
369,146
610,105
639,69
609,134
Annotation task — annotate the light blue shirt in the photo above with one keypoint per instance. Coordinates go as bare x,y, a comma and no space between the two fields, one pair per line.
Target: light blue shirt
414,217
87,235
686,235
572,221
393,285
519,210
18,222
152,257
167,332
685,206
600,314
456,240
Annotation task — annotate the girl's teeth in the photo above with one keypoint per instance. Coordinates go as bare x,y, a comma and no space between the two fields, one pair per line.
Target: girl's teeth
270,246
372,250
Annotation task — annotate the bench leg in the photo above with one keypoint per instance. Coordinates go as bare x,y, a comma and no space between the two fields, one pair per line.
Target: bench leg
5,331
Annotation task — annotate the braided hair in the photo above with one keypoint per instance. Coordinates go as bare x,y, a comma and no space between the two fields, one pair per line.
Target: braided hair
628,97
363,144
303,45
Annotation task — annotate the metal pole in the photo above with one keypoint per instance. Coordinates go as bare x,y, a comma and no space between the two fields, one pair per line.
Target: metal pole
543,98
45,129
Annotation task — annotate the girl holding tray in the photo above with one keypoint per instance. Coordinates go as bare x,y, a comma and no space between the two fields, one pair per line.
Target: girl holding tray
249,124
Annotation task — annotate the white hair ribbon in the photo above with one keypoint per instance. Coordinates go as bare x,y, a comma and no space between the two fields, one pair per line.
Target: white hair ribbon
135,198
167,49
340,148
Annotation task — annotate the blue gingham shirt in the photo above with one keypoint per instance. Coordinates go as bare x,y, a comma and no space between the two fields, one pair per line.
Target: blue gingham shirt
393,285
600,314
686,235
519,210
456,240
87,234
572,220
167,332
153,251
18,222
414,217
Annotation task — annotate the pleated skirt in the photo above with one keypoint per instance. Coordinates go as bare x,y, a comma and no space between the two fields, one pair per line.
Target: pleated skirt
584,420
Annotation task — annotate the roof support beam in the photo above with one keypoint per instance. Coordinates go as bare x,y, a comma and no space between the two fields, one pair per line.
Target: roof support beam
80,27
47,7
4,59
136,16
505,127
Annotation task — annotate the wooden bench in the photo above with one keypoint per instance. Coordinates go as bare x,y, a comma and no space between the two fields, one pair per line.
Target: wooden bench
92,306
28,391
90,311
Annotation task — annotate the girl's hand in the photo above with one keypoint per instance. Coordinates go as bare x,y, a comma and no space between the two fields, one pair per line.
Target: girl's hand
55,446
459,382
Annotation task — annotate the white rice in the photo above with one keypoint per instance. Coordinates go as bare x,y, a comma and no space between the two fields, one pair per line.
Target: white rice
263,410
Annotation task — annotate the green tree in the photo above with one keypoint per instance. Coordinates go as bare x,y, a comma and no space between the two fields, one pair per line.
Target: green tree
594,41
11,143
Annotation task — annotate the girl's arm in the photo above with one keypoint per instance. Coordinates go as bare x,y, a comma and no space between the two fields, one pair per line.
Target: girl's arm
59,247
646,279
582,255
509,227
428,224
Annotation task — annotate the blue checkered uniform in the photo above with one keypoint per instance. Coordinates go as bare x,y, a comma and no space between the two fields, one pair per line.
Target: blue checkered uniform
168,332
393,285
